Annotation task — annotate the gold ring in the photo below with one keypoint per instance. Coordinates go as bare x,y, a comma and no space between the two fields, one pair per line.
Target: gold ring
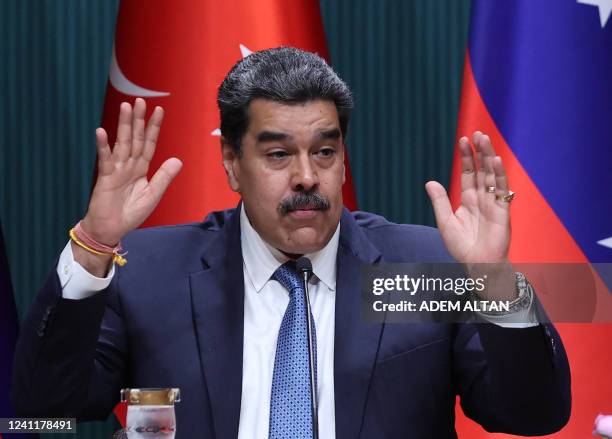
506,198
491,189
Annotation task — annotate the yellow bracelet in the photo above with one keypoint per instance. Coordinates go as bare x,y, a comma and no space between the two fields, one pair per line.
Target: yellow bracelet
120,260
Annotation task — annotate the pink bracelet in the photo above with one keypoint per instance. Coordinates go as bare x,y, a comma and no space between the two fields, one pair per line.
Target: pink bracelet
93,244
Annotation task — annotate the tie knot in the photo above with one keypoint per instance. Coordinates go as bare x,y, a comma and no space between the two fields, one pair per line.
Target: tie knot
288,276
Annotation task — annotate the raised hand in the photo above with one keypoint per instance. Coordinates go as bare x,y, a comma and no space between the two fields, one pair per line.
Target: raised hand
479,230
122,197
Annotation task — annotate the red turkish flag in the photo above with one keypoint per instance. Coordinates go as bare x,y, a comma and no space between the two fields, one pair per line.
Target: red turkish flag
176,54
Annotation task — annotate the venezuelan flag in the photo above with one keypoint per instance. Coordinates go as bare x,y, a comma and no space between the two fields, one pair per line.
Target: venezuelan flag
538,81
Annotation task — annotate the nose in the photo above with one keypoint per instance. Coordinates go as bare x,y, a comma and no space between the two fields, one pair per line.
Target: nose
304,176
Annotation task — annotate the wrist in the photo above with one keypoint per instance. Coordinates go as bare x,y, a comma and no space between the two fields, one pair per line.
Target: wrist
106,239
500,281
96,265
86,242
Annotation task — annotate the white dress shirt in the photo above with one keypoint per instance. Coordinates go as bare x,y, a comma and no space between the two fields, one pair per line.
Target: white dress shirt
265,302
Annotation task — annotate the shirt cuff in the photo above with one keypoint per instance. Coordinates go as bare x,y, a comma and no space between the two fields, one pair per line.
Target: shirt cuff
77,283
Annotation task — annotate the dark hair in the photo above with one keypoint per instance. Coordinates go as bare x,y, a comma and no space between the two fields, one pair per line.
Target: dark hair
282,74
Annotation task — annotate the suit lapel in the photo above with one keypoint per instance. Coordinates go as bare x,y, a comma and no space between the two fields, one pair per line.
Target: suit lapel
356,342
217,295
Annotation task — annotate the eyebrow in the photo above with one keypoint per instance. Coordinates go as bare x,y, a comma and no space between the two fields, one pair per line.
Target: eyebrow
271,136
274,136
331,134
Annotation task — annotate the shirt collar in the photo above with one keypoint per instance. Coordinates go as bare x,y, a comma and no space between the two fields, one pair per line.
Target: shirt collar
261,259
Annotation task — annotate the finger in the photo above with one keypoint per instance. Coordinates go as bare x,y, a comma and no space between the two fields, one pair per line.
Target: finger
164,176
440,202
501,180
489,179
487,151
152,132
138,127
121,151
488,155
105,162
480,172
487,145
501,183
468,165
469,187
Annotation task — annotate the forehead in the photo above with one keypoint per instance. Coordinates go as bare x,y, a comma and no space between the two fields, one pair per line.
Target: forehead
302,118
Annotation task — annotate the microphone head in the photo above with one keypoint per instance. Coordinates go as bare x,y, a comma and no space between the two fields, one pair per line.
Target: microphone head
304,265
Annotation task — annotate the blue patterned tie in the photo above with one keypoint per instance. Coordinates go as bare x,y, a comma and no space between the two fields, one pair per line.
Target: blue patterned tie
290,403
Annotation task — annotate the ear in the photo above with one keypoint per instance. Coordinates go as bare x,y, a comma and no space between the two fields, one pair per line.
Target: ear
230,164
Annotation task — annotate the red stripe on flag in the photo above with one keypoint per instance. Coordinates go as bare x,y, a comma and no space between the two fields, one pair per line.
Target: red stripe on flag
539,236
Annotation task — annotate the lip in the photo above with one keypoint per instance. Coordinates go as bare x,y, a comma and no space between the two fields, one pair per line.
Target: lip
303,214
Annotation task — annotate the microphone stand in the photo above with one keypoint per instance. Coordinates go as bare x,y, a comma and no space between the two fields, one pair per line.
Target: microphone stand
305,266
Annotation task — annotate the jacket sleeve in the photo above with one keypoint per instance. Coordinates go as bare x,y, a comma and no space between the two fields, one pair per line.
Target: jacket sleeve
70,358
512,380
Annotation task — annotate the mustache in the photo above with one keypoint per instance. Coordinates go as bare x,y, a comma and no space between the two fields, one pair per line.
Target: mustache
304,201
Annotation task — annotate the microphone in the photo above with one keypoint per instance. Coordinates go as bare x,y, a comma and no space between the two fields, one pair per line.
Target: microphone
304,267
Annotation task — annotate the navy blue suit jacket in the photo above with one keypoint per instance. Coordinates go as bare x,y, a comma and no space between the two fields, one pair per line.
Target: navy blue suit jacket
173,317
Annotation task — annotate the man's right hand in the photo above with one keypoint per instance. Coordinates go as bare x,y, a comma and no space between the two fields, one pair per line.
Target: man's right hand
123,198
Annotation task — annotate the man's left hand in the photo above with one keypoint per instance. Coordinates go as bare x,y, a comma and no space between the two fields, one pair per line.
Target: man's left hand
478,232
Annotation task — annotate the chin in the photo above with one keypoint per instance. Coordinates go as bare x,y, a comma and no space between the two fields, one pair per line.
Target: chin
304,240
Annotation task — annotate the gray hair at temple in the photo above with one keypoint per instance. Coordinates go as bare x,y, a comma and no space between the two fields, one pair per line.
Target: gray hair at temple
283,74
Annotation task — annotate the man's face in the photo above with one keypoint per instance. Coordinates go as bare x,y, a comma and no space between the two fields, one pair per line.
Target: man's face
290,173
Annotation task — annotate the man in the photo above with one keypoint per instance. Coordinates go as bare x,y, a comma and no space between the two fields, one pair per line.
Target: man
207,307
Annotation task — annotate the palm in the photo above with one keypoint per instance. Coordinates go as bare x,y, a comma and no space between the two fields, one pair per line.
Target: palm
479,230
123,197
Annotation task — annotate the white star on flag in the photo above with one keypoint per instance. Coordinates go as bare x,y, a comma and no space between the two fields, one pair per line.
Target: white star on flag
605,8
606,242
245,51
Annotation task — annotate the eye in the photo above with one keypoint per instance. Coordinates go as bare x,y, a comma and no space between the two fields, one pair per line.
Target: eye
277,155
326,152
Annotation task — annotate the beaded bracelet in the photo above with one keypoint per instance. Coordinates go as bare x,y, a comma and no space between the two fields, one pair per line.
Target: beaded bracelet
83,240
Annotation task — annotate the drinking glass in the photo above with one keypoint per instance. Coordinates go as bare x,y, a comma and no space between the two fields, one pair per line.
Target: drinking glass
150,413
